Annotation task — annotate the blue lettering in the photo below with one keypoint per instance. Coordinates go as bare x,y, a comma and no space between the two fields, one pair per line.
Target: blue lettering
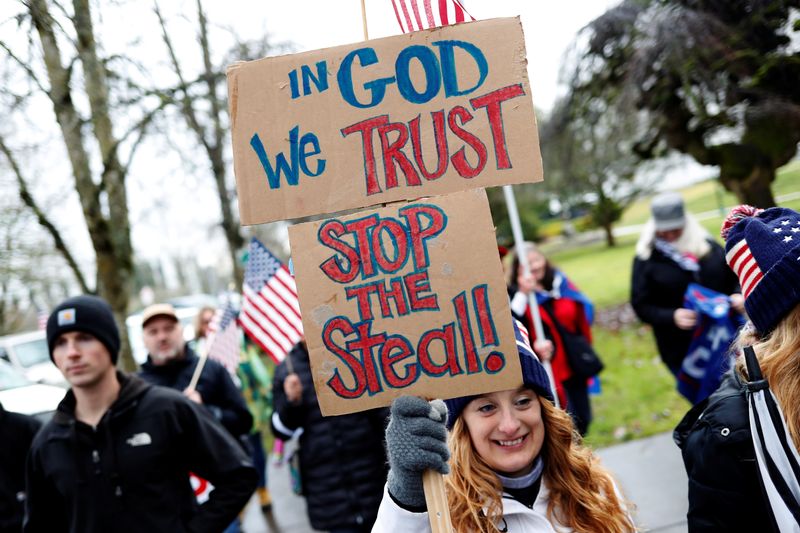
429,64
449,66
376,88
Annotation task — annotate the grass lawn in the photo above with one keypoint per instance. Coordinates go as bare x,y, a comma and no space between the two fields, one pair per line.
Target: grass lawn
638,396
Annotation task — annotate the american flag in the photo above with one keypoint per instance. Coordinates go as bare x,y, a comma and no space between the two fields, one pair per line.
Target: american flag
415,15
225,342
743,263
270,311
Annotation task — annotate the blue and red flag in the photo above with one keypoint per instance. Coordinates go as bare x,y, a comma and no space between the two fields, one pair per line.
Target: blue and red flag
708,357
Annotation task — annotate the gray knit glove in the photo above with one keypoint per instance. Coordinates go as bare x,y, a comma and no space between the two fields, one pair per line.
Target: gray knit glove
416,440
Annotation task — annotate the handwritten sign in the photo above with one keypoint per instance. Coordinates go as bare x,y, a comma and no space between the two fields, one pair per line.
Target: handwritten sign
391,119
406,299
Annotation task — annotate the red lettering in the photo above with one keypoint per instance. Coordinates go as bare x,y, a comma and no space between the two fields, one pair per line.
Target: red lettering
397,234
403,348
416,283
439,140
437,220
459,159
464,326
393,292
491,101
480,297
359,376
392,153
360,229
447,336
365,127
332,267
364,343
361,294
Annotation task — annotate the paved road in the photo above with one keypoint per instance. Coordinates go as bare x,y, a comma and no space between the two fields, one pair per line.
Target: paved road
652,476
650,471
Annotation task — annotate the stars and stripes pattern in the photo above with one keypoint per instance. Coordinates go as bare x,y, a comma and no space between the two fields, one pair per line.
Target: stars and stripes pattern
225,342
270,311
743,263
415,15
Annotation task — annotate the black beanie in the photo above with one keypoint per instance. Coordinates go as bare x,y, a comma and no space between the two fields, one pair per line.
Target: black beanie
89,314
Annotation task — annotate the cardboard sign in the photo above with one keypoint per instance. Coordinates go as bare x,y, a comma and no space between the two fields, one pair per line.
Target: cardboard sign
407,299
391,119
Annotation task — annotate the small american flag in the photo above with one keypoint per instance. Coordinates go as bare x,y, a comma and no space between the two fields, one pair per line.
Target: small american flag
270,311
415,15
225,341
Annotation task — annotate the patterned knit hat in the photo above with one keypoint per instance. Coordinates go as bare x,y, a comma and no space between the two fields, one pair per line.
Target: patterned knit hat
763,249
533,376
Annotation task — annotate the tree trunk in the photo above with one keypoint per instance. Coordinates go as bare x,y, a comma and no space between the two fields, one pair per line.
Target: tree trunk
753,189
110,235
609,231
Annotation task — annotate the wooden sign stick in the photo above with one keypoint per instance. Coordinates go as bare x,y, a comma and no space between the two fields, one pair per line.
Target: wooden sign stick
436,499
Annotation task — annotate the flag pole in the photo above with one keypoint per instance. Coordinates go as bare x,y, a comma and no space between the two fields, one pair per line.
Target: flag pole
364,19
199,368
516,229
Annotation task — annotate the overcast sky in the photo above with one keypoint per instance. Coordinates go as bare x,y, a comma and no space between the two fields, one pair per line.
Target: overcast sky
171,211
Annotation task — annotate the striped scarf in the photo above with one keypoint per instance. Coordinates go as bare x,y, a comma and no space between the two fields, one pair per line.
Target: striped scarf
776,455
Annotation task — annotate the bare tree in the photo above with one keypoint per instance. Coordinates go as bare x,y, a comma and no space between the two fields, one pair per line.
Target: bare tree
202,105
67,67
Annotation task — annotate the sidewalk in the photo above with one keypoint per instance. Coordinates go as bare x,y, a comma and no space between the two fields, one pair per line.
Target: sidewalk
652,476
650,471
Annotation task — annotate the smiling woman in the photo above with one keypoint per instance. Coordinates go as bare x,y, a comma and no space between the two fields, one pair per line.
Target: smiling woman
515,464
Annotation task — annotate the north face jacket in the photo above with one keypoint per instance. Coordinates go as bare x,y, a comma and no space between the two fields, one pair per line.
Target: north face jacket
131,471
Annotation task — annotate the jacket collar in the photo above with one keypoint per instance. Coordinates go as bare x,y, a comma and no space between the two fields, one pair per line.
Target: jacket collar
131,388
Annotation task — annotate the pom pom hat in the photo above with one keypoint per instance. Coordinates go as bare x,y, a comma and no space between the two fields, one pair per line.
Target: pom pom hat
534,376
763,249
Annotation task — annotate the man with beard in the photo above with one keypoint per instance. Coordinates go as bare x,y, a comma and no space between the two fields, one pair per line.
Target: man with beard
172,363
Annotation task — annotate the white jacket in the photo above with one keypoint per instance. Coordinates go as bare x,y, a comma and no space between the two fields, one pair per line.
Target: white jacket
518,518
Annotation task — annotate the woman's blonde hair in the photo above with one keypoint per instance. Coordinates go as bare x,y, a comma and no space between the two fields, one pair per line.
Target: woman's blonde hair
779,358
582,493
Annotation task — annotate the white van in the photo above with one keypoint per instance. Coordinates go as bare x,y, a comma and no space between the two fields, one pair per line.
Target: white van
28,353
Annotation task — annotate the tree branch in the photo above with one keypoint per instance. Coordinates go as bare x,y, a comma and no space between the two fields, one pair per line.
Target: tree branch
28,200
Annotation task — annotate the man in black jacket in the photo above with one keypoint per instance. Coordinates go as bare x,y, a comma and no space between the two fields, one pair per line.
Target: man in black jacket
172,363
17,431
118,452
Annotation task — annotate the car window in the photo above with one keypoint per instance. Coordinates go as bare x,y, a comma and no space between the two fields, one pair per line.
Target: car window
32,352
11,379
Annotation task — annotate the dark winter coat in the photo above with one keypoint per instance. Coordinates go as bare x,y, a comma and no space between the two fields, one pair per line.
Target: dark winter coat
725,492
219,393
343,464
17,432
657,290
130,473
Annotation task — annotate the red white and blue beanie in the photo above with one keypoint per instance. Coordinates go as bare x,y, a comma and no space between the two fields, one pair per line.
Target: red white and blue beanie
763,249
534,376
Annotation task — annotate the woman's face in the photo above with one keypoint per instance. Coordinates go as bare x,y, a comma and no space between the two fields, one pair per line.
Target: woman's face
670,235
506,429
537,263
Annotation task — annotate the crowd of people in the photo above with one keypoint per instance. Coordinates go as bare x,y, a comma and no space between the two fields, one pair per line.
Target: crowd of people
120,449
